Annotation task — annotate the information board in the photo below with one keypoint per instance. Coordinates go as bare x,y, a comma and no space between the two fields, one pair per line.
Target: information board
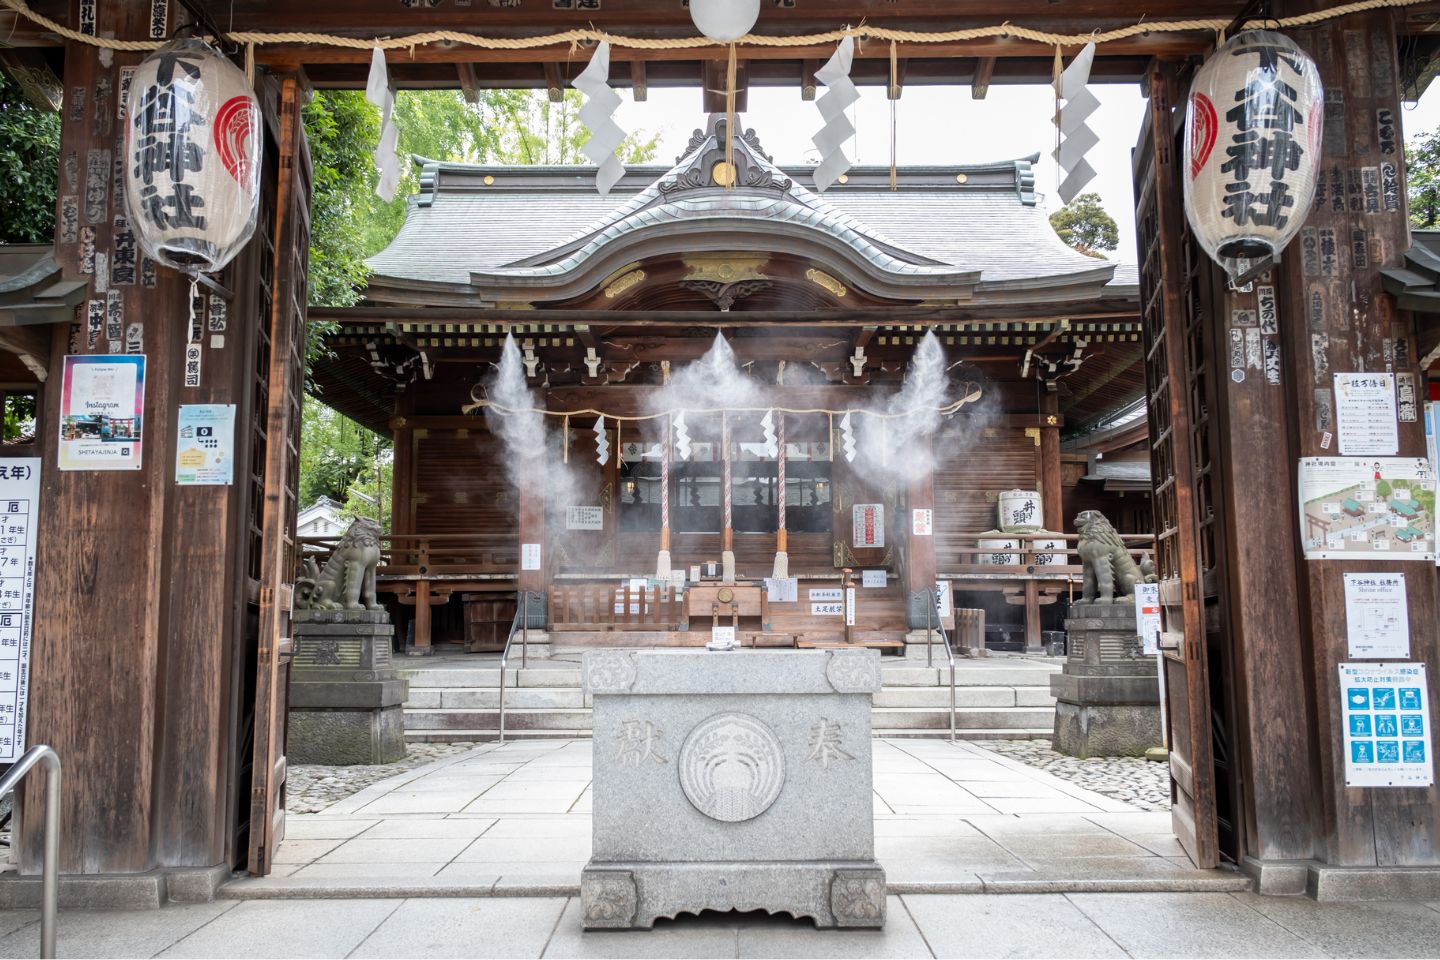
102,401
1387,725
1147,616
868,520
205,445
19,505
1377,615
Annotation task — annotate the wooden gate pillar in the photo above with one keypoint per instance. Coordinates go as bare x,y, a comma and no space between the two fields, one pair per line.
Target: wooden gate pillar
136,579
919,530
1335,318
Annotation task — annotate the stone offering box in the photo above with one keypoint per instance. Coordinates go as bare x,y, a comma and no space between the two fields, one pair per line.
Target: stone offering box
732,781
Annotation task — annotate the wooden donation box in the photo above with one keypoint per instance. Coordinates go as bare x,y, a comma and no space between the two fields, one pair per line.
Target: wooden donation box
732,781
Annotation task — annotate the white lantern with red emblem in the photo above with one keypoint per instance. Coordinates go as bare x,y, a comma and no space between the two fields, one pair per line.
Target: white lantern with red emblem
1252,142
192,157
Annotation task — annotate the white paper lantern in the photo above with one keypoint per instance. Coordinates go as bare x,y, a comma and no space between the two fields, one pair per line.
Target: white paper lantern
725,21
192,156
1252,148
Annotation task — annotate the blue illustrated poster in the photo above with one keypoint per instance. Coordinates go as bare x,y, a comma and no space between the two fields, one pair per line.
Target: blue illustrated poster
1388,734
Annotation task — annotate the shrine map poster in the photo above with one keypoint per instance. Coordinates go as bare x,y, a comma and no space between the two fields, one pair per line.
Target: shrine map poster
1364,508
102,399
19,507
1386,709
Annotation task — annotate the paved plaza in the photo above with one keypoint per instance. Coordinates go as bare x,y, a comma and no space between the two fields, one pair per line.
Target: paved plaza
514,819
479,854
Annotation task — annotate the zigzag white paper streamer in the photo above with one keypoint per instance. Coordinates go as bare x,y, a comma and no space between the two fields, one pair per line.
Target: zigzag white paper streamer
847,439
377,91
602,443
772,442
682,438
1077,139
598,115
840,95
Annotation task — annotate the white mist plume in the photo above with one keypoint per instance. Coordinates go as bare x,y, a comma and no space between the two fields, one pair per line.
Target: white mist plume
532,449
713,382
897,445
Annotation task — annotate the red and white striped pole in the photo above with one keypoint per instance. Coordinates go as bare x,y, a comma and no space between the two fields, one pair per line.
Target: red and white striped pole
727,536
662,563
782,536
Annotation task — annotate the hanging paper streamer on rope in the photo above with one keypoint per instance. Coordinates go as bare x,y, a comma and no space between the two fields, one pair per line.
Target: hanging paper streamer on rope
378,92
682,438
602,443
598,115
840,96
847,439
1076,137
772,442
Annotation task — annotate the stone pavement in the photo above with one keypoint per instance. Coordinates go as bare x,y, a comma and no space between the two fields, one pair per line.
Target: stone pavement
1021,925
514,820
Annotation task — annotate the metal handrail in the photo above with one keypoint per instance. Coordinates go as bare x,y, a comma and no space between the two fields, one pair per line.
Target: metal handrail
50,878
520,625
931,624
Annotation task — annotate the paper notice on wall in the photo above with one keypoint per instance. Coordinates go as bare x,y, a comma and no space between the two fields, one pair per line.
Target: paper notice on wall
19,511
529,556
868,520
944,603
102,400
1365,415
1432,445
1358,508
1386,711
922,523
849,606
1377,615
584,518
782,590
827,603
874,579
1147,616
205,445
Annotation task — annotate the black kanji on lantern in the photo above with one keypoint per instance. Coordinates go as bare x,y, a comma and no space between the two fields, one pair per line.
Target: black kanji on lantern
1265,144
165,151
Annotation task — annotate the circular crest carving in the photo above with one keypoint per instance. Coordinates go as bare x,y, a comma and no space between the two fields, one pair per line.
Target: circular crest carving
731,767
853,672
609,672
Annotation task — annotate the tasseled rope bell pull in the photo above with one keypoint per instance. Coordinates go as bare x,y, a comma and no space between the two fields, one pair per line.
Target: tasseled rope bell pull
731,72
894,118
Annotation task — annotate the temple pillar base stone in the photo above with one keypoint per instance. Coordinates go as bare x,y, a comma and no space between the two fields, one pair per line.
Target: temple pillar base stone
346,698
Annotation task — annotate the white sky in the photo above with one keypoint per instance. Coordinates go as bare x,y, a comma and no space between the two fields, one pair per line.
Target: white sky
943,125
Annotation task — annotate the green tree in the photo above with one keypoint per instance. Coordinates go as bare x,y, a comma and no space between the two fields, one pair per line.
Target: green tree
29,167
1422,161
1084,225
344,461
1383,489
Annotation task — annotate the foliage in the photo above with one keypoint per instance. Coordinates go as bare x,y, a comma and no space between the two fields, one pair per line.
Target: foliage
19,422
1383,489
343,461
1422,161
519,127
1085,225
29,167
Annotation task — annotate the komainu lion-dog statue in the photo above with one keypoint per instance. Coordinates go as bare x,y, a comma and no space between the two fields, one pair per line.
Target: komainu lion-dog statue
1110,572
347,581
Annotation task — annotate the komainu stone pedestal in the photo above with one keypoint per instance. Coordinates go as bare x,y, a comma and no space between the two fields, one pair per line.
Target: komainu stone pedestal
732,781
346,700
1107,695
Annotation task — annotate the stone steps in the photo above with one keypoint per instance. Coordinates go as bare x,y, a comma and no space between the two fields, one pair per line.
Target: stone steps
996,698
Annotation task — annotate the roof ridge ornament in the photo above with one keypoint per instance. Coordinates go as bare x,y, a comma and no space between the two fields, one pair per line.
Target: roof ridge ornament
706,153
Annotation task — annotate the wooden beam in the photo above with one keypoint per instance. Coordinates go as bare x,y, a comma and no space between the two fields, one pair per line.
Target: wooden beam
715,87
639,83
980,82
808,83
1108,311
469,82
554,85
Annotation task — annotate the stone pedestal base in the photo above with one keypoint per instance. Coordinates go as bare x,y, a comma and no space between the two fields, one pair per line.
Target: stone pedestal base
539,646
736,781
345,696
916,647
624,896
1107,696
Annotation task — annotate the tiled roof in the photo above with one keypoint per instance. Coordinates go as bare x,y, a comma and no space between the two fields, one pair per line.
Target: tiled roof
977,229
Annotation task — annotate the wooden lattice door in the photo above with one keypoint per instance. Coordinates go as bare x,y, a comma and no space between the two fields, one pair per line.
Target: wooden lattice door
1175,371
278,559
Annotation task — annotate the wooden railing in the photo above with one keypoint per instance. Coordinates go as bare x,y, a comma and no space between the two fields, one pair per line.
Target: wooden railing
1061,563
435,557
607,606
